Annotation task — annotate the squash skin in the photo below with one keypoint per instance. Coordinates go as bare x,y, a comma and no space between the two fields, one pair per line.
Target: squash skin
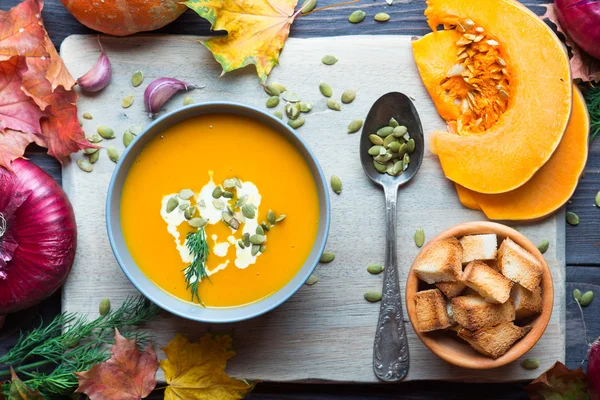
539,107
124,17
552,186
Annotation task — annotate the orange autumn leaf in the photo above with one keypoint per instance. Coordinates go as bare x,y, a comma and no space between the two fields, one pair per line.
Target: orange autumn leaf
13,144
196,371
128,375
21,31
559,382
19,391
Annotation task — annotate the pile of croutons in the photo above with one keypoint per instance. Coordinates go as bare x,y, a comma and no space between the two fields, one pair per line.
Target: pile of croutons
481,302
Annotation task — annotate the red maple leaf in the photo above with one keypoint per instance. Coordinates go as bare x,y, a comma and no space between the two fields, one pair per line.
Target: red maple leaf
22,31
559,382
13,144
128,375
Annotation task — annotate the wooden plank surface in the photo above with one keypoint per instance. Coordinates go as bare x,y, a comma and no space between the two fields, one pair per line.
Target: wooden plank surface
325,332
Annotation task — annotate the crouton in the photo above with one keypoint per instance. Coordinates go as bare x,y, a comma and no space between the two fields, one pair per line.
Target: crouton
526,303
474,312
519,265
451,289
440,262
490,284
432,311
479,247
495,341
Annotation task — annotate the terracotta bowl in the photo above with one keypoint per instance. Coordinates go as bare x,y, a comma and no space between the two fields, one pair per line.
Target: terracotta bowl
458,352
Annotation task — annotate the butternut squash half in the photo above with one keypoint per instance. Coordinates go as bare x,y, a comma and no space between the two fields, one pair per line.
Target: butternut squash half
500,78
552,186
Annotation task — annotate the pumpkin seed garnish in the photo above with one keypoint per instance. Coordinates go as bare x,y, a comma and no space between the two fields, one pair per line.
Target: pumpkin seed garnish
257,239
280,218
271,217
263,248
241,201
326,257
218,204
182,207
325,89
94,157
329,59
543,246
255,249
248,211
85,165
530,363
382,17
197,222
189,212
185,194
278,114
127,138
260,230
229,183
375,269
419,237
586,298
334,105
292,97
373,296
265,226
106,132
312,280
597,200
355,125
272,101
336,184
172,204
127,101
113,154
246,239
357,16
305,106
104,306
296,123
572,218
241,244
272,90
137,78
348,96
217,192
187,100
87,115
376,140
227,194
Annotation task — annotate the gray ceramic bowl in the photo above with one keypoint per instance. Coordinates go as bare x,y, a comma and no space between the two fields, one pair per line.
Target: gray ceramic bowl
168,301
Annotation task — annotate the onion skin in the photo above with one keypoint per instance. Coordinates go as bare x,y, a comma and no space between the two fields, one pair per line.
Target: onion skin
581,21
44,229
593,369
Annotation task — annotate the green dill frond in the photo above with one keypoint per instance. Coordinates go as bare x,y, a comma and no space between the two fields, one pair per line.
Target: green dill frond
196,271
592,99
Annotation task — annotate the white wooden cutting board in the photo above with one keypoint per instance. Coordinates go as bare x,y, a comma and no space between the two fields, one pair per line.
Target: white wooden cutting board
324,332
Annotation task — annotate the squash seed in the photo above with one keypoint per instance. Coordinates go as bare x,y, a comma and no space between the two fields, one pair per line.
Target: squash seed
308,6
312,280
393,123
394,146
292,110
189,212
375,269
105,132
379,167
376,140
246,239
419,237
257,239
530,363
329,59
389,140
217,192
262,248
241,201
87,115
280,218
296,123
93,138
292,97
185,194
85,165
94,157
325,89
375,150
279,87
357,16
172,204
104,306
577,295
572,218
272,101
398,167
265,226
399,131
348,96
183,207
248,211
373,296
336,184
197,222
543,246
272,90
382,17
255,249
410,145
355,126
326,257
259,230
127,138
113,154
271,217
89,151
305,106
597,200
241,244
127,101
278,114
406,159
187,100
227,194
218,204
385,131
137,78
334,105
586,298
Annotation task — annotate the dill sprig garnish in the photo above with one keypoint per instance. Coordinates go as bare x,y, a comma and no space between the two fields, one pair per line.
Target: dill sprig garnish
71,343
196,271
592,99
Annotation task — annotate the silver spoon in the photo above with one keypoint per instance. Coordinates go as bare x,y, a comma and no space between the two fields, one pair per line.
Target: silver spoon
390,350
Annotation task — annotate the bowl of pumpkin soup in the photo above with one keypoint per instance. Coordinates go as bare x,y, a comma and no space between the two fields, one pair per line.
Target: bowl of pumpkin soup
218,212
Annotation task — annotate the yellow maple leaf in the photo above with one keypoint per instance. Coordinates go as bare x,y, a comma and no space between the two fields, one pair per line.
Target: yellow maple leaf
256,31
196,371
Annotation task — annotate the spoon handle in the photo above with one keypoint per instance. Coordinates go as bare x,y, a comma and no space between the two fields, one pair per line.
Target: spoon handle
390,350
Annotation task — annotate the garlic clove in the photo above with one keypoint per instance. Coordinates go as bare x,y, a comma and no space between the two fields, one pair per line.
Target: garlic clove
99,76
160,90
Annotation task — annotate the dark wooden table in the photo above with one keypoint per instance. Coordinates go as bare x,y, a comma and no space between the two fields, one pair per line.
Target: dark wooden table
583,241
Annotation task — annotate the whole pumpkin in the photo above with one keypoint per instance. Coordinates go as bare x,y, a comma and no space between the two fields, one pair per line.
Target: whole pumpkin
124,17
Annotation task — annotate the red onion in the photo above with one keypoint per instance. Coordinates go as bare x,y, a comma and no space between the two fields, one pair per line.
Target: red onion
38,236
593,369
581,21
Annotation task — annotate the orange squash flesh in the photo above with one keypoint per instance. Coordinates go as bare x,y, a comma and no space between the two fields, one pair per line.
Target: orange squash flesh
552,186
527,113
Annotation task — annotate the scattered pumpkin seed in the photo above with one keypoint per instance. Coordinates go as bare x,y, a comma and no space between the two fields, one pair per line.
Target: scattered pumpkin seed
185,194
113,154
271,217
127,101
292,110
217,192
255,249
355,125
89,151
597,199
128,138
187,100
272,101
375,269
278,114
327,257
136,129
104,306
393,123
272,90
218,204
373,296
259,230
93,138
325,89
419,237
577,295
305,106
308,6
85,165
357,16
530,363
189,212
292,97
348,96
543,246
94,157
329,59
312,280
106,132
586,298
410,145
376,140
336,184
248,211
385,131
87,115
382,17
279,87
197,222
172,204
334,105
137,78
296,123
280,218
257,239
572,218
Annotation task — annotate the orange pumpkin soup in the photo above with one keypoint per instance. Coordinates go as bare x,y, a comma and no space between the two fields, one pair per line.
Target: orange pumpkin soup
213,180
